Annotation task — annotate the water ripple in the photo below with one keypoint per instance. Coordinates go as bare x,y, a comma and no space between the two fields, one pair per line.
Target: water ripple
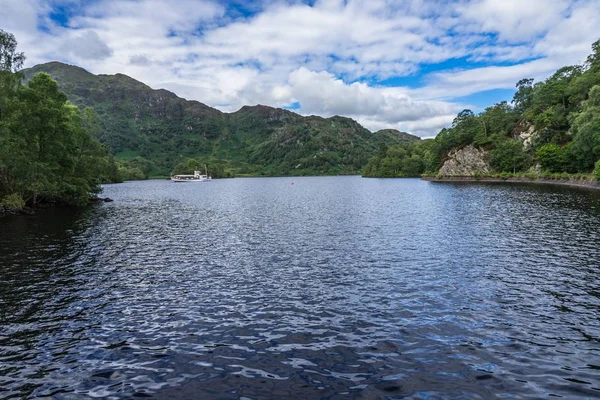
328,288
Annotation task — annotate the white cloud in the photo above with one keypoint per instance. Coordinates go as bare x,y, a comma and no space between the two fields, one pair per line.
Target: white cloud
513,20
166,17
321,93
20,17
571,38
568,42
320,56
140,59
86,45
426,128
454,84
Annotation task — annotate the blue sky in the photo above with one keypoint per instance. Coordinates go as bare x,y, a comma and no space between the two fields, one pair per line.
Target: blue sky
404,64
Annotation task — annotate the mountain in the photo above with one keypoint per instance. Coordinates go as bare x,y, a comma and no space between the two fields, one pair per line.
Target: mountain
166,130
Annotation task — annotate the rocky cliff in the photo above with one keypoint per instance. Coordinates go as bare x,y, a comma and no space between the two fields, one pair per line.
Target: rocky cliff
467,161
525,132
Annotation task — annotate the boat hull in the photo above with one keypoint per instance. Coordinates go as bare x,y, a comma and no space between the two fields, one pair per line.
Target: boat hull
197,177
188,180
179,180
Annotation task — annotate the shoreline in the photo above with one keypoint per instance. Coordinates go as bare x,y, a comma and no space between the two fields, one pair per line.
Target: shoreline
541,181
32,210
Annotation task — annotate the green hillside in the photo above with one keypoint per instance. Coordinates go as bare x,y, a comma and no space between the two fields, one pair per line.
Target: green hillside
158,132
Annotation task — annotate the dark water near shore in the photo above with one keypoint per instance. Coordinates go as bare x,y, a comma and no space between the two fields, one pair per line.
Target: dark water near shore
336,288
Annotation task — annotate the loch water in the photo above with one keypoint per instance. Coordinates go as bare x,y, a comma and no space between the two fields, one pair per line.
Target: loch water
325,287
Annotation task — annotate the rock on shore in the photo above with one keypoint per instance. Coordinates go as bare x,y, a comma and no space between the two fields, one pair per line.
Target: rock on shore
468,161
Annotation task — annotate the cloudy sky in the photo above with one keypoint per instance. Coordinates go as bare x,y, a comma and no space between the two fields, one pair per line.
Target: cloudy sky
404,64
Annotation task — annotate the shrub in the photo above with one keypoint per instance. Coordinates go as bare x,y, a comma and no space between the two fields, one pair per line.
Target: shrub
13,202
508,156
552,158
531,174
597,171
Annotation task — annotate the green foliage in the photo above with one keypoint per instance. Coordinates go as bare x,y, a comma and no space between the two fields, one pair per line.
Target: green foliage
597,171
552,157
498,120
586,133
318,146
399,161
524,96
48,154
593,60
488,129
12,202
551,105
129,173
465,127
10,59
46,151
133,169
508,156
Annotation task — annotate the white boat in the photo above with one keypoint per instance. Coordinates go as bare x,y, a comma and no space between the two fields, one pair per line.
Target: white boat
197,177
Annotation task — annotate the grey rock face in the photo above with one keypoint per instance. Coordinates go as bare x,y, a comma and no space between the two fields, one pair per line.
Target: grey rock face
468,161
525,132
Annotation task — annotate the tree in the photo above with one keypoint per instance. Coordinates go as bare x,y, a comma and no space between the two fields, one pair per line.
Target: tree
137,168
523,97
91,122
10,62
552,103
401,160
10,59
46,150
552,158
51,156
497,121
37,127
413,165
586,132
508,156
593,60
463,117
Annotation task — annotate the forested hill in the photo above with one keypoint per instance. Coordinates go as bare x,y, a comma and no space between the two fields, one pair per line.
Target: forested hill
154,132
551,127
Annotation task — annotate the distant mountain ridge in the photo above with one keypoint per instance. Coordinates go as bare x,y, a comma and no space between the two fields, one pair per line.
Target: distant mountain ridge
156,124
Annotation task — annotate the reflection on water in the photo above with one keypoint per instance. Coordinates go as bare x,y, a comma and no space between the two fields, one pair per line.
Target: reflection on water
325,288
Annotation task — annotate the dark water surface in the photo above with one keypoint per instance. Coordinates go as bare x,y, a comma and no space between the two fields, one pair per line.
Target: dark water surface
335,288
